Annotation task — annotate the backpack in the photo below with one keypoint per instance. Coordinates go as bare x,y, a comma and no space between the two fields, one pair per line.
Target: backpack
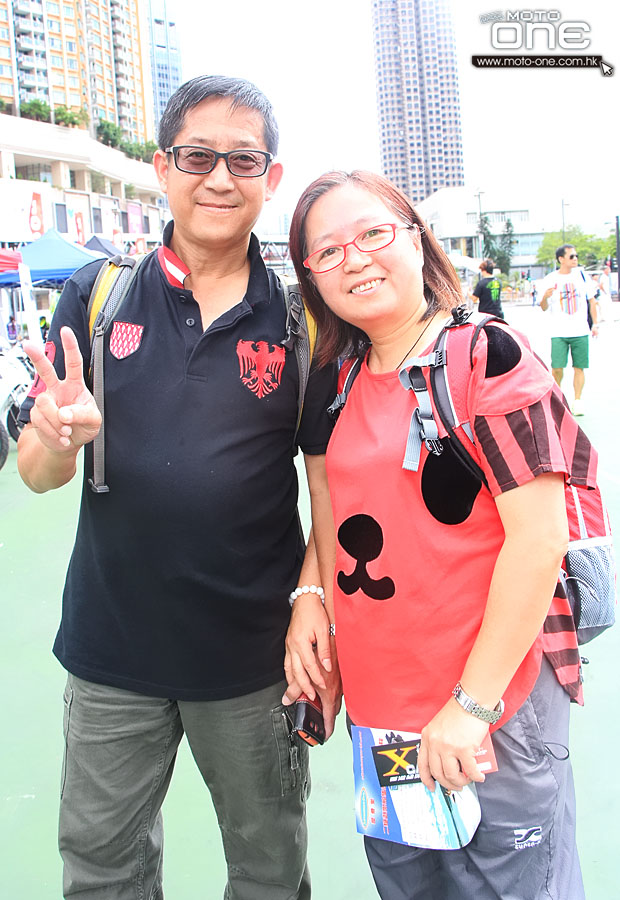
588,572
108,292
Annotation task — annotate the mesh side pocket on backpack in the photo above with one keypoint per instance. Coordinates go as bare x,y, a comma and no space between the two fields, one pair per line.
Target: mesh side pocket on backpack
591,586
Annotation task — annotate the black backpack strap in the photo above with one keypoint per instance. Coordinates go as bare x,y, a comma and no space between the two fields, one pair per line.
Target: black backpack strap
301,335
441,390
336,407
116,286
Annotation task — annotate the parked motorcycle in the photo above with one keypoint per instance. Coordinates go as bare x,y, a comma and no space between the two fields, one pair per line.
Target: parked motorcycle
16,376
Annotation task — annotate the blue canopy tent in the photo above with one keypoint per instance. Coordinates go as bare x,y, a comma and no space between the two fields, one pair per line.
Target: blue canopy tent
51,259
102,245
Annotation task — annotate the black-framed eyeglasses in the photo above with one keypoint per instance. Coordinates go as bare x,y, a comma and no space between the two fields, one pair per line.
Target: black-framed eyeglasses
574,256
242,163
369,240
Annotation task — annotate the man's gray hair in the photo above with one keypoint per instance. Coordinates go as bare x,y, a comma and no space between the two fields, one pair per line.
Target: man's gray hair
241,93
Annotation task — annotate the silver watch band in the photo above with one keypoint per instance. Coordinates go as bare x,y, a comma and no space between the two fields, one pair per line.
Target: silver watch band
480,712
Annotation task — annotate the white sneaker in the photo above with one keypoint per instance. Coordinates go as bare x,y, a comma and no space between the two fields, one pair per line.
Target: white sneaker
577,407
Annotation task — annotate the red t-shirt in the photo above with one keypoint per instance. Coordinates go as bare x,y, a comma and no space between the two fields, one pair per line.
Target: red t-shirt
416,550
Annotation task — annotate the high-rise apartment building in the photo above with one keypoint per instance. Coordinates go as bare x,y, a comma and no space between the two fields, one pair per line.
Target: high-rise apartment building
417,95
165,55
82,54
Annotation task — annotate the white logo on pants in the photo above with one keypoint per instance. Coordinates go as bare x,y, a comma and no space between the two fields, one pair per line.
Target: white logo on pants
527,837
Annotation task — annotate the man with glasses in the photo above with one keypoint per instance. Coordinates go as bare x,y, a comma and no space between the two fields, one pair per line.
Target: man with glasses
176,603
568,294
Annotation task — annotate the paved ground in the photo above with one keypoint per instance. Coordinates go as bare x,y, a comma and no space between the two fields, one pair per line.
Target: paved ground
36,535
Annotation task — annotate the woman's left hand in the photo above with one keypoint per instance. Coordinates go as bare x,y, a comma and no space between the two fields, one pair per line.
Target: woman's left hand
308,632
448,748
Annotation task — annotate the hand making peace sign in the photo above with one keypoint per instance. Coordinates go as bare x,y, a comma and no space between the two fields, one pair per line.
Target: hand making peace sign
65,414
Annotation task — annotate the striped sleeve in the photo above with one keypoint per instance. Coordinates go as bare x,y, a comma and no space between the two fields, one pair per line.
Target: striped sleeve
522,424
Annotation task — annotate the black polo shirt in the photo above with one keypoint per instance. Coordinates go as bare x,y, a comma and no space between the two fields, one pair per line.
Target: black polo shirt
179,579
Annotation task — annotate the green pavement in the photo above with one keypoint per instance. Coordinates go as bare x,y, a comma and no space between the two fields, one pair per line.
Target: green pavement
36,534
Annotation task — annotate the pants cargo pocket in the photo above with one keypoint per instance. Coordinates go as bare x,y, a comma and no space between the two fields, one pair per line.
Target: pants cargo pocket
68,700
292,753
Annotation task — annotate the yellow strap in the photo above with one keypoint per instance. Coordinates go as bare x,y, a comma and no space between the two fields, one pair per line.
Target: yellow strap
103,292
312,329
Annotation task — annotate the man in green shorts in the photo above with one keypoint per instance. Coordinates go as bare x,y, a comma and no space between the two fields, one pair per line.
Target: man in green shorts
568,293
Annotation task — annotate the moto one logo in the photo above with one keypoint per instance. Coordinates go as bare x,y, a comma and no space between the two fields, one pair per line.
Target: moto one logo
521,29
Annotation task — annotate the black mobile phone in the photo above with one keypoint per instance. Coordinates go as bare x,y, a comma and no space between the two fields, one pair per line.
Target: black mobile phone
308,720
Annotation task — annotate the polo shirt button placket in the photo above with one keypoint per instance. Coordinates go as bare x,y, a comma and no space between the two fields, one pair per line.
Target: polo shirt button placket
190,322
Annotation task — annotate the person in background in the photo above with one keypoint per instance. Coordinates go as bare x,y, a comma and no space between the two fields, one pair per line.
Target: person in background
11,330
442,584
176,602
488,290
569,295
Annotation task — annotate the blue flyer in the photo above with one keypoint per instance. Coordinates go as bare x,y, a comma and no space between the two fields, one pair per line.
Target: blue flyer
391,802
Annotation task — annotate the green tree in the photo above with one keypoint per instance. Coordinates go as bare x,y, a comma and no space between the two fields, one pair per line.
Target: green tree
489,247
35,109
65,116
503,254
150,147
592,250
109,133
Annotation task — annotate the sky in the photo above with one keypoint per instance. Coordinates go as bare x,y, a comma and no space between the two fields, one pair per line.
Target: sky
538,134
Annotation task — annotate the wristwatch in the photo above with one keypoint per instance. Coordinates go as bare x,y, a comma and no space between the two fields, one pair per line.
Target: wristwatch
480,712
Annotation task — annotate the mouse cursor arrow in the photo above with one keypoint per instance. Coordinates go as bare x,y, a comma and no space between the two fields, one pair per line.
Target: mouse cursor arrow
606,69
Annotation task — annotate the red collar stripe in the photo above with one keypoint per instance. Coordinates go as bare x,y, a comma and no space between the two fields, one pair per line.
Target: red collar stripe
175,271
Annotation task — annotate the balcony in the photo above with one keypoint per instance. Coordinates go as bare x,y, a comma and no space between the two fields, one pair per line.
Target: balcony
23,25
22,7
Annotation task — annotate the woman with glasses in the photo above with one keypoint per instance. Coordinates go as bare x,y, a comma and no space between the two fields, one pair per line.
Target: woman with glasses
442,584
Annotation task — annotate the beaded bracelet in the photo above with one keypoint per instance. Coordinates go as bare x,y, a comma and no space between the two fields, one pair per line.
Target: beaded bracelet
306,589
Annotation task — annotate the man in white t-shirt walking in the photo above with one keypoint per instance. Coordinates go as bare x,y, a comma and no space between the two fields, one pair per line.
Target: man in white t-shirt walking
567,293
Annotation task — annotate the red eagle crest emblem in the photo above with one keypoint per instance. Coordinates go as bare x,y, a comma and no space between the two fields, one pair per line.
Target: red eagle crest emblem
260,366
125,339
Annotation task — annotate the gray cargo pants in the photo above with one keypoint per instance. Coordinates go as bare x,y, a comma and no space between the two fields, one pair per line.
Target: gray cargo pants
120,749
524,848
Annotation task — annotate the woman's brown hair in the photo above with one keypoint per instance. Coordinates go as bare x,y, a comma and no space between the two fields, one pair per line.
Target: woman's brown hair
442,289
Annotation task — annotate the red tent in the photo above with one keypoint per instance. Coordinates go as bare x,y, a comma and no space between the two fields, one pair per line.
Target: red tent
9,260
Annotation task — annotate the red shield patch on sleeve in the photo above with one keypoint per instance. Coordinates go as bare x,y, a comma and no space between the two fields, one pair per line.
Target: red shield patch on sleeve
125,339
260,365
